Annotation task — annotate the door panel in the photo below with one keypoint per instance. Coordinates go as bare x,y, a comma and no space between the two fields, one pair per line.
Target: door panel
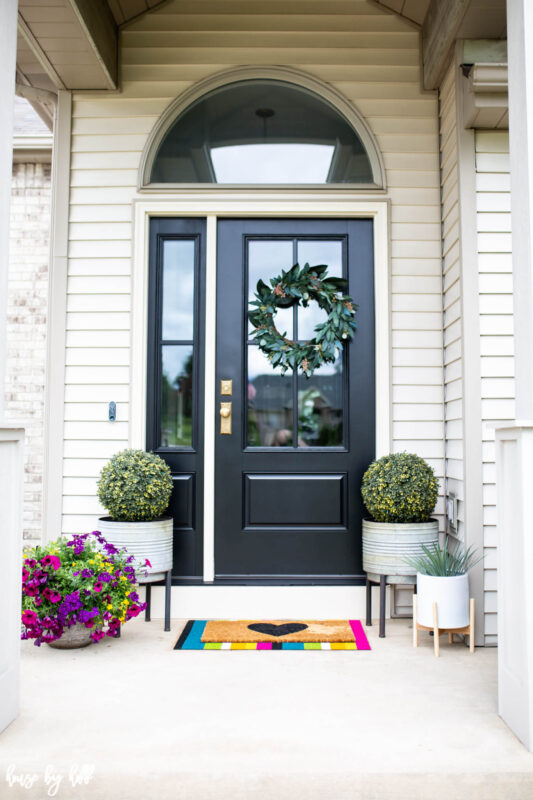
288,502
175,402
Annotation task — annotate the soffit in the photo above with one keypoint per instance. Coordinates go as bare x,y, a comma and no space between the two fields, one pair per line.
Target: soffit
484,19
412,10
126,10
72,44
55,47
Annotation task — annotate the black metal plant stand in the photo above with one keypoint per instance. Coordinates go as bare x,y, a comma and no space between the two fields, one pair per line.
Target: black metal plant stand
382,601
167,582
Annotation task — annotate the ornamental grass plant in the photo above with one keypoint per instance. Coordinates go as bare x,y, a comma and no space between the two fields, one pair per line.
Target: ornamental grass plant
401,487
135,486
445,562
82,580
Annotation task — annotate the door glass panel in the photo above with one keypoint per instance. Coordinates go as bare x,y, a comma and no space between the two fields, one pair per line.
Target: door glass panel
178,289
320,407
176,396
316,252
266,259
270,402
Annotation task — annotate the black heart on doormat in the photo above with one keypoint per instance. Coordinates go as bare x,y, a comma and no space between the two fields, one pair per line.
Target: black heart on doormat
277,630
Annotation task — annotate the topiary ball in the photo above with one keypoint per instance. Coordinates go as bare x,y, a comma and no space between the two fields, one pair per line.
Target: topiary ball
401,487
135,486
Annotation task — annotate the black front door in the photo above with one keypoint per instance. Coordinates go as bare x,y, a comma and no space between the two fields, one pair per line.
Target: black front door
288,504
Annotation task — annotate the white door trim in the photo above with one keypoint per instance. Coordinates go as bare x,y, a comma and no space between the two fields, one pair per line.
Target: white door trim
212,205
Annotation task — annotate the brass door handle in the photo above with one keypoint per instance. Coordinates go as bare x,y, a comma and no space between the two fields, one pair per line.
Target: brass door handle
225,418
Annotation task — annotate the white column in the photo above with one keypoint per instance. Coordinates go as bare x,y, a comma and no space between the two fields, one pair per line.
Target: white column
11,438
514,444
520,54
8,52
11,493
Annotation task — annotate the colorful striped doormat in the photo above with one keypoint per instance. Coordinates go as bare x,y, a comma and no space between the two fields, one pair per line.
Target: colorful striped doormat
192,638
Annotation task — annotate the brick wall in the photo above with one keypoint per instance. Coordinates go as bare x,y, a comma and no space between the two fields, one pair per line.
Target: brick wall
26,320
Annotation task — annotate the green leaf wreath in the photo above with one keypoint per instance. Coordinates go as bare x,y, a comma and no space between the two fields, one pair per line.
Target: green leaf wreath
301,285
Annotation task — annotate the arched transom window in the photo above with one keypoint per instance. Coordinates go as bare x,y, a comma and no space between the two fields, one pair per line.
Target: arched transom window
262,131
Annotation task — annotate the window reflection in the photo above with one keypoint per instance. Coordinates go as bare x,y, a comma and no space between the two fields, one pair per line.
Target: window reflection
317,252
267,258
272,163
320,412
178,288
270,403
176,396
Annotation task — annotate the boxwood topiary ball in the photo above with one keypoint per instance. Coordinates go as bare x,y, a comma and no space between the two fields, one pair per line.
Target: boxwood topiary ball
135,486
400,488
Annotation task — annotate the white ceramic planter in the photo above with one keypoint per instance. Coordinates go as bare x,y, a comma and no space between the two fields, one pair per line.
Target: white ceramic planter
451,596
388,545
144,540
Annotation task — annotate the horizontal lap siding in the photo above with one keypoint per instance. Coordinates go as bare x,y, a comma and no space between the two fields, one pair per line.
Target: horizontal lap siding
496,328
451,266
373,59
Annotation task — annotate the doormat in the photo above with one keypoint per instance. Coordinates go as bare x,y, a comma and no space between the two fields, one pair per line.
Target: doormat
204,634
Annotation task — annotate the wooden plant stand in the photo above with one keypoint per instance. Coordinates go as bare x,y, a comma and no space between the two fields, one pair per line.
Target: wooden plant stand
468,629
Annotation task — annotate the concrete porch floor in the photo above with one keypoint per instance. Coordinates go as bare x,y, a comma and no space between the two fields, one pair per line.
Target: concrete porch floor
157,723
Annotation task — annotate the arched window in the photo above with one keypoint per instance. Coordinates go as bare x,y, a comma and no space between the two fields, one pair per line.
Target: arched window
262,131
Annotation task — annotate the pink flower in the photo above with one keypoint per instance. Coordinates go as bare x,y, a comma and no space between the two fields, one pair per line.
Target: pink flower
98,586
97,635
29,618
52,561
25,575
49,594
147,563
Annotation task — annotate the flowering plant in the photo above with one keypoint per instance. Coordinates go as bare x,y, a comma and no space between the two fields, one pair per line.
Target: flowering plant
82,580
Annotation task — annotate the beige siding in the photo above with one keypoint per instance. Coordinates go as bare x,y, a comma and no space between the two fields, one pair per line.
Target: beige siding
451,266
493,204
373,58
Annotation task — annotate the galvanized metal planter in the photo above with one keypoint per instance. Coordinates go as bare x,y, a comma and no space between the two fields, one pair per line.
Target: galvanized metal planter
76,636
388,545
144,540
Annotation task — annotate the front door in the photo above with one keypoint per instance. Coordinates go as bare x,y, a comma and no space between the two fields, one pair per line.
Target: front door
288,505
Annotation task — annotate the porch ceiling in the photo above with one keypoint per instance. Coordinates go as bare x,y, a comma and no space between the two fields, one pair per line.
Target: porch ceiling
72,44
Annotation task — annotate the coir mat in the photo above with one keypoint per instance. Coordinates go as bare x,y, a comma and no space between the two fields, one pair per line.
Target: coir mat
200,634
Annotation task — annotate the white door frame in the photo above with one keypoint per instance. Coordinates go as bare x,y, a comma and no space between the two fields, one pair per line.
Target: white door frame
213,204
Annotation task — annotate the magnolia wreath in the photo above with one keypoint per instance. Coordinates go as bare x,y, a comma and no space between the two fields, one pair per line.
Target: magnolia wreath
300,285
